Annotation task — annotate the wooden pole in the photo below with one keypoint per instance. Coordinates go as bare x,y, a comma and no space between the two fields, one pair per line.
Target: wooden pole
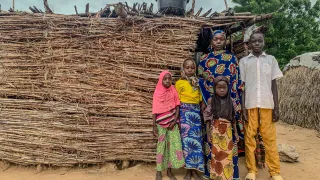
76,9
46,7
225,2
192,7
198,13
207,13
87,8
13,5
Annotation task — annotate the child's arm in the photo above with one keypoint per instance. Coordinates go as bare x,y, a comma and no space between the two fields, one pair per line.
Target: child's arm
242,76
234,124
235,131
243,106
207,116
275,113
175,118
154,116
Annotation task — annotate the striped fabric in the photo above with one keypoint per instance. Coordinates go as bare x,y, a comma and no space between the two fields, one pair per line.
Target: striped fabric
166,118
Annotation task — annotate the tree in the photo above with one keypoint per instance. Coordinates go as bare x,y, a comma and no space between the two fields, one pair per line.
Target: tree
294,28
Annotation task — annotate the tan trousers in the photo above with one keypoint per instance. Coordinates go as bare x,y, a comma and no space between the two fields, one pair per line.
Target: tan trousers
268,132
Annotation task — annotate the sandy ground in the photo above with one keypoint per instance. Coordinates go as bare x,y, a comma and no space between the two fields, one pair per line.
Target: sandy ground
306,141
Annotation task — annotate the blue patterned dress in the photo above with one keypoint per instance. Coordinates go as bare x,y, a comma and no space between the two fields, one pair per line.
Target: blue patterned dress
191,136
214,64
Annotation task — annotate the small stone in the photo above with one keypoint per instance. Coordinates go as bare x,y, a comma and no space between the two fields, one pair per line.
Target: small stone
287,153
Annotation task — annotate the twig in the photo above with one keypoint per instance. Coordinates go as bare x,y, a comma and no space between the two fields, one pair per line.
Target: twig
135,7
127,6
46,7
76,9
87,9
207,13
99,14
198,13
151,8
226,4
36,9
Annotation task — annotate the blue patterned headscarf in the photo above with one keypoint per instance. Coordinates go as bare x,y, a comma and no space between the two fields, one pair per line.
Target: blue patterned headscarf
217,32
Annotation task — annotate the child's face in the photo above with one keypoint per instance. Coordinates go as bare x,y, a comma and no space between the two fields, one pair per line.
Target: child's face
218,42
189,68
257,43
167,81
222,88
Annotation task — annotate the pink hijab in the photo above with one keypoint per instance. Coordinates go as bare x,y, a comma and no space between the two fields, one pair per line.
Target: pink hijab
164,99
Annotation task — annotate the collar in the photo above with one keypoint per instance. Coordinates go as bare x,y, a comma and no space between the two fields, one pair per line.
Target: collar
251,55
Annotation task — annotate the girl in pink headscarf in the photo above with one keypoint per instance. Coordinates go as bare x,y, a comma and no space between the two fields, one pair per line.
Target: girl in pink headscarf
165,110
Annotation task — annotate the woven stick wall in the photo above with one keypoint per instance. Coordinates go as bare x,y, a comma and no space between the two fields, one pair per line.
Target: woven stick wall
78,90
299,93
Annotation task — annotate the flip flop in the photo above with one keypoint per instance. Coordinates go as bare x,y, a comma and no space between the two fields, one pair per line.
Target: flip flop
277,177
251,176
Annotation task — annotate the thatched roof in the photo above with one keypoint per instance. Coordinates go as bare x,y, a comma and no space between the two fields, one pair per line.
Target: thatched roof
299,91
77,90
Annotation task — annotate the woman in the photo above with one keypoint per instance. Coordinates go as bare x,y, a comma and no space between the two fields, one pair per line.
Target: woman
220,62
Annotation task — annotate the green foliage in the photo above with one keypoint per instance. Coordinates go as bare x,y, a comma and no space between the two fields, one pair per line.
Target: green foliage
294,28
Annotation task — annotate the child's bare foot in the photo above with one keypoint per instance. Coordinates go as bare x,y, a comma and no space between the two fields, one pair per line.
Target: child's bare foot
170,175
188,175
159,175
195,175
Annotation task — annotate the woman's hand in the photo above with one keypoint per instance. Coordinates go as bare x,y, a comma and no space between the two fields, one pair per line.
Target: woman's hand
244,113
208,130
237,137
203,106
210,100
209,135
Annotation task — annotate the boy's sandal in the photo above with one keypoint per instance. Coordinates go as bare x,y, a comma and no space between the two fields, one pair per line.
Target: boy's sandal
277,177
251,176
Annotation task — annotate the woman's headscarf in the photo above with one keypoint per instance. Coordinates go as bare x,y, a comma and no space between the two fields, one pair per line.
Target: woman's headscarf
226,112
164,99
212,36
217,32
193,80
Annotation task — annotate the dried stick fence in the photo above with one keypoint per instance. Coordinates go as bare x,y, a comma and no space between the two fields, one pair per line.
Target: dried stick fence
78,90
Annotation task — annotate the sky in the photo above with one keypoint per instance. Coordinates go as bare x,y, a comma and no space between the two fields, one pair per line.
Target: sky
67,6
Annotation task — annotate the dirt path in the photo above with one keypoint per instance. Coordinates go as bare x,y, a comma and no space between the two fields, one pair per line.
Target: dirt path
306,142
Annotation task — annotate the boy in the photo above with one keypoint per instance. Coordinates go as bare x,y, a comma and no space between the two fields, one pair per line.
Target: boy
260,109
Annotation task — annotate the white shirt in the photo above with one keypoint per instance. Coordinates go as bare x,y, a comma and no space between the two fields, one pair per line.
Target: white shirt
258,73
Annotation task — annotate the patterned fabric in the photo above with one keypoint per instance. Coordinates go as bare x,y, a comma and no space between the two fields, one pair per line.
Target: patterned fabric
191,134
260,152
223,149
212,65
165,119
169,149
217,32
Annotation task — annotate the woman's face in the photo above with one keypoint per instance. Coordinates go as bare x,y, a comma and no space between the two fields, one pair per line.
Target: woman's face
222,88
167,81
218,42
